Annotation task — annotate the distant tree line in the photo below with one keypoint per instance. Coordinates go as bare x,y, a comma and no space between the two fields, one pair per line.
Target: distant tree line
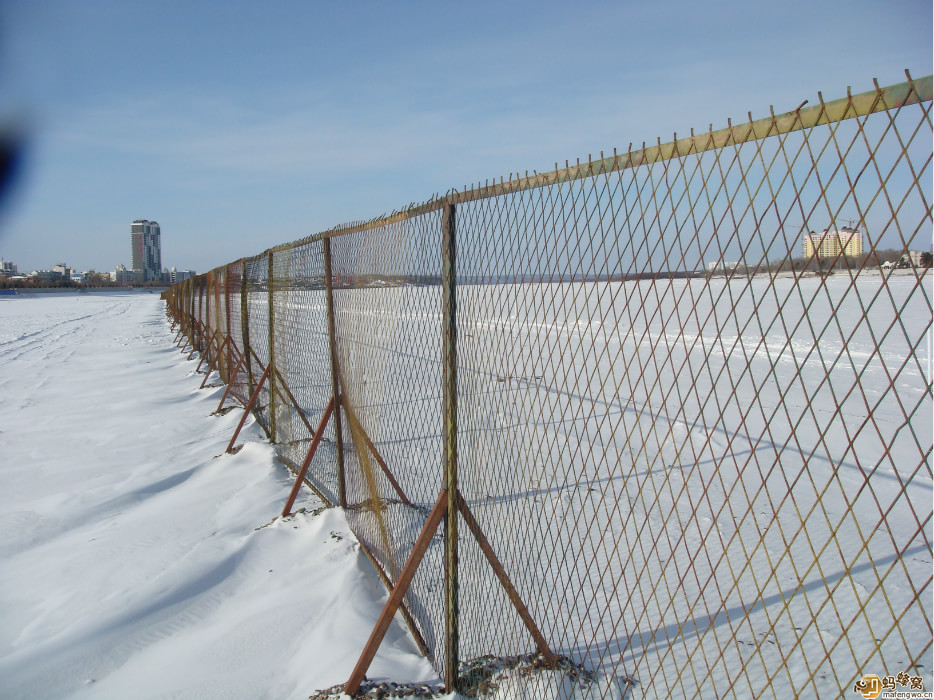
875,258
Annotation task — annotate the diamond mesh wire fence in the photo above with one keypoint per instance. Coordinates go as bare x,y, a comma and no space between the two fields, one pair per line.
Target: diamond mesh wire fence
676,402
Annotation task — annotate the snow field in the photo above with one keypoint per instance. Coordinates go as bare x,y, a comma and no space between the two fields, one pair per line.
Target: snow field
693,484
138,563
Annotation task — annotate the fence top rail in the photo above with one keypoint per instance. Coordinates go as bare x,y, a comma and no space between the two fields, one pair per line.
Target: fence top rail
880,99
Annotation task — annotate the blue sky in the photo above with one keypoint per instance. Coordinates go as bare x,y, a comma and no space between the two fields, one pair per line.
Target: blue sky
238,125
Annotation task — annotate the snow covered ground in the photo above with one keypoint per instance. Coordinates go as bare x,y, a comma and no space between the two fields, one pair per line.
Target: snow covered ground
694,484
135,561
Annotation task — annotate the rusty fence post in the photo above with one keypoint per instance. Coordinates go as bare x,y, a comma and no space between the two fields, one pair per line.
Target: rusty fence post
272,351
189,312
194,313
245,326
200,344
206,314
226,375
449,303
219,324
335,372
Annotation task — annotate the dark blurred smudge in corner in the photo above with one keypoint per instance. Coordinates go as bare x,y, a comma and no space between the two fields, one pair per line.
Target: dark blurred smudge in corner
13,135
11,161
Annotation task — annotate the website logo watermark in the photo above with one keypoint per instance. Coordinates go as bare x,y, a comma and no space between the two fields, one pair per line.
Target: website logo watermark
901,685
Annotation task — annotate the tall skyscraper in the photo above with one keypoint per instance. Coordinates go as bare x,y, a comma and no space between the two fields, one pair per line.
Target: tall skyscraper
146,244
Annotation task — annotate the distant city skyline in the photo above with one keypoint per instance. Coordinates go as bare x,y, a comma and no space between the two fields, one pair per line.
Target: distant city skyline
242,126
145,255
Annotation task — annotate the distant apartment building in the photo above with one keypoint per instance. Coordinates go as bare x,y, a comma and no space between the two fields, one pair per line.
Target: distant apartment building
180,275
721,266
833,244
123,276
146,248
63,270
915,258
60,272
7,269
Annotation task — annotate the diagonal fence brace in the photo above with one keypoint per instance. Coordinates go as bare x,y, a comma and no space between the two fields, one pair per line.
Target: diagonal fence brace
213,364
408,572
316,440
247,409
230,383
205,353
356,427
398,593
500,572
197,329
282,385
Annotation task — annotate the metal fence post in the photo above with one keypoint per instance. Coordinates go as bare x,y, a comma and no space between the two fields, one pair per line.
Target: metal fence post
208,296
335,372
191,312
272,352
449,303
183,308
193,293
201,283
190,304
192,318
220,324
245,326
227,314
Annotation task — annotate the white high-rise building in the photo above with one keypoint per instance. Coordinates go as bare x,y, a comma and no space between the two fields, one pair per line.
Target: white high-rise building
146,247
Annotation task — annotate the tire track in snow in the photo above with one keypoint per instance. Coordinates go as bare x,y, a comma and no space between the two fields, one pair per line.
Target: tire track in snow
45,337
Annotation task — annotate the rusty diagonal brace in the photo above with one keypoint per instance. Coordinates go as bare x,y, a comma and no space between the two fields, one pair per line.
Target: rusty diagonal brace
205,353
230,383
300,477
247,409
181,336
398,593
194,348
213,363
288,393
351,416
408,572
500,572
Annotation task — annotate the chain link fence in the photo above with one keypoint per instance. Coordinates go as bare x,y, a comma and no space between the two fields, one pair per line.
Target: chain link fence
676,403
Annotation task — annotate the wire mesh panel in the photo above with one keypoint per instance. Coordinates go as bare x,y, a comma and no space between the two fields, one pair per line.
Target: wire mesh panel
239,373
387,310
680,396
220,324
703,459
210,317
256,281
302,361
